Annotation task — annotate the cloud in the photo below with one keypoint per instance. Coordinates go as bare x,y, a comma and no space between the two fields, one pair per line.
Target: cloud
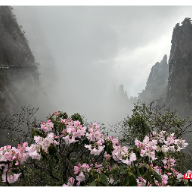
93,47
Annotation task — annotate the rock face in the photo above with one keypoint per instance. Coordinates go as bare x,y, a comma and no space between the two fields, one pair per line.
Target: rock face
39,47
171,83
156,87
180,69
19,75
17,63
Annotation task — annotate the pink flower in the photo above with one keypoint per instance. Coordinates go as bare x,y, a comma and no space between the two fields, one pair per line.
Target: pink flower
46,127
78,183
133,157
115,141
169,173
180,176
70,181
8,155
11,178
2,158
126,162
94,151
79,133
81,177
88,147
25,144
68,140
164,179
76,169
108,157
164,161
38,139
35,155
97,135
85,166
17,163
99,142
64,185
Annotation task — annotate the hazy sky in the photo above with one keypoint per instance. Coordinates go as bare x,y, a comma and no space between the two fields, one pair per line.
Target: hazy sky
94,47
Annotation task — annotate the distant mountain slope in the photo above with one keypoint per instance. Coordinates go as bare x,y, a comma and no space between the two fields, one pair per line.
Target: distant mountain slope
19,75
156,86
180,69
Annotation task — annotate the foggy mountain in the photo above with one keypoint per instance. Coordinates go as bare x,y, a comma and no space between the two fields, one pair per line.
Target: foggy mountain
179,94
75,81
91,60
156,86
23,85
19,71
170,83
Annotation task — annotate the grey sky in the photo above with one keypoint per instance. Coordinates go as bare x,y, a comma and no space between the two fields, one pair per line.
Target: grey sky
94,47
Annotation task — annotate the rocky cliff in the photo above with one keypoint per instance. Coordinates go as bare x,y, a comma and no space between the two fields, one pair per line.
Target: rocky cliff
19,75
156,86
180,68
17,63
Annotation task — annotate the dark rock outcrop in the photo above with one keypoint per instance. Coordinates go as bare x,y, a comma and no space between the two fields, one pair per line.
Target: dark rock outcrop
180,69
17,63
156,86
19,75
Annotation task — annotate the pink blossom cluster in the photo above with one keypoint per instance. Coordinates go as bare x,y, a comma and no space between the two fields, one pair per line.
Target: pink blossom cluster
73,130
168,162
20,154
96,139
180,177
56,113
47,126
80,170
164,176
142,182
45,143
122,154
107,156
170,171
70,183
170,143
147,147
8,155
159,142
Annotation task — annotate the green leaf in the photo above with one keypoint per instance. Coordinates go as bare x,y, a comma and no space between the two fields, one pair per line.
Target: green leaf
37,132
86,176
104,179
132,180
189,183
171,181
149,177
51,165
93,183
56,159
43,154
122,170
142,170
126,182
52,150
115,174
157,176
110,148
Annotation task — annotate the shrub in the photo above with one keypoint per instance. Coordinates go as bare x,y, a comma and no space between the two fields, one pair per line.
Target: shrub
66,151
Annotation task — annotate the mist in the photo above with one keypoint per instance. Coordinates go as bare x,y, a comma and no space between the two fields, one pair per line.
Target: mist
86,52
